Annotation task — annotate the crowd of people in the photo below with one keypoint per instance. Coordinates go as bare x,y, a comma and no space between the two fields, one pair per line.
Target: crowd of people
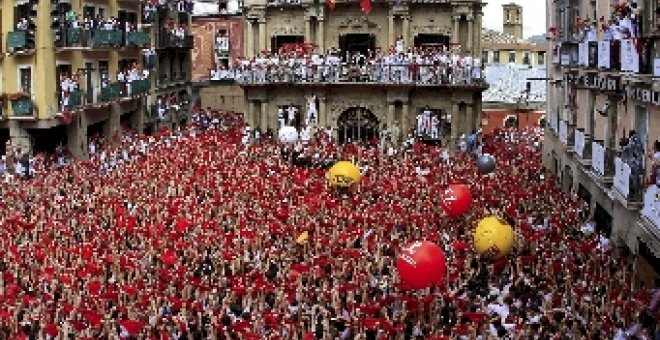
397,65
193,234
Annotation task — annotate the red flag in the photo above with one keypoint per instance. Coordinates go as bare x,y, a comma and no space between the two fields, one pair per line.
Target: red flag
131,327
366,6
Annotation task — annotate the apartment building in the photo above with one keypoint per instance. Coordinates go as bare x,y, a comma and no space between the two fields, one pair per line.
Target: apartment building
174,43
71,69
604,115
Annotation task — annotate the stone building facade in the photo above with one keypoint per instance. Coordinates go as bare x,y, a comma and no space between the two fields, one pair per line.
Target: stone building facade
453,24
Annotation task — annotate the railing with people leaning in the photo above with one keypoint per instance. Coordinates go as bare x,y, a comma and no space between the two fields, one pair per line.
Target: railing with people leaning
380,73
628,181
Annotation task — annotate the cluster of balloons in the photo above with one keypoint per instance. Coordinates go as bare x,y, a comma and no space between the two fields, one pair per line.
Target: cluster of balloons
422,264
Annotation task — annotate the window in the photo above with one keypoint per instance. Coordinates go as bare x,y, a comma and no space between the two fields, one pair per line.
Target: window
484,57
25,79
512,57
101,12
541,58
526,58
496,57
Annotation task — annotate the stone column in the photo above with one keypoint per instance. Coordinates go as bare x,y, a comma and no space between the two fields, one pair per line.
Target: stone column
112,126
406,31
249,39
320,35
263,44
250,114
454,122
77,136
455,30
390,30
323,114
470,38
405,124
469,119
264,116
390,114
308,29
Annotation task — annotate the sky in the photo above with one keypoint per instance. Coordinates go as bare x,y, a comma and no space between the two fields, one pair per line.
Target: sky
533,15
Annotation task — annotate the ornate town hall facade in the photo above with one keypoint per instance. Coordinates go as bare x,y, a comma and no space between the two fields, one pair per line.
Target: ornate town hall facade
364,71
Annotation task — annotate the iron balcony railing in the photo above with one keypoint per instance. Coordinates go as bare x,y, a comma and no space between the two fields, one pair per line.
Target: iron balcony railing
20,41
22,107
347,73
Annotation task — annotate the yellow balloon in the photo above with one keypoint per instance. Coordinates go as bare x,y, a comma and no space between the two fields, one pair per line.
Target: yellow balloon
493,238
344,175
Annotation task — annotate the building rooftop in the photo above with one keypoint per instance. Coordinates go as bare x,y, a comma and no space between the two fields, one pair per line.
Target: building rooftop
495,40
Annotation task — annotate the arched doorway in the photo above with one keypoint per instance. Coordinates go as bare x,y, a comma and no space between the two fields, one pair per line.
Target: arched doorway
510,122
357,124
542,121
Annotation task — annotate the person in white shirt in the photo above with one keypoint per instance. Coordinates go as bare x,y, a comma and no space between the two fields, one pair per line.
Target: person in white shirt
312,114
292,111
435,131
281,120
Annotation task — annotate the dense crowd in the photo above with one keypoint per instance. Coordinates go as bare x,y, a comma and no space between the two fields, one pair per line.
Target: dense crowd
398,65
193,234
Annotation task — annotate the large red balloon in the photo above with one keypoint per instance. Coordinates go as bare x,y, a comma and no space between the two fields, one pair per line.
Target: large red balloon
456,199
421,264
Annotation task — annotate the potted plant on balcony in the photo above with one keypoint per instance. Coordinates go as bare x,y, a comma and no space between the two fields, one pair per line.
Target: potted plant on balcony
66,117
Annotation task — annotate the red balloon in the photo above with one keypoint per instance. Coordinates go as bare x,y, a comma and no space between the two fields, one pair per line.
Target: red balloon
456,199
421,264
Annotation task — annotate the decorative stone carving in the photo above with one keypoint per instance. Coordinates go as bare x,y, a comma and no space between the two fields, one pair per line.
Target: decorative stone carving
288,30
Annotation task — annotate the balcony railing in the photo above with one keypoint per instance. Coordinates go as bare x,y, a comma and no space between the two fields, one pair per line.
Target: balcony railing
22,107
609,55
563,132
568,53
588,55
168,40
108,38
627,183
139,87
139,39
70,100
580,145
19,41
150,61
110,92
598,158
350,73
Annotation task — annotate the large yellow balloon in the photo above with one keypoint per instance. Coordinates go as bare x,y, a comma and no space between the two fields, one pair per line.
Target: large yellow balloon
493,238
344,175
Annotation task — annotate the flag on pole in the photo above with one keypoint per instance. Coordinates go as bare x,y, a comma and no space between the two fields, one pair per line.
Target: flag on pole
366,6
330,4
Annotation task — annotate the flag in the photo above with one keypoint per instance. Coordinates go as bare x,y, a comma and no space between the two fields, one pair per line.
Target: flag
303,238
330,4
317,6
366,6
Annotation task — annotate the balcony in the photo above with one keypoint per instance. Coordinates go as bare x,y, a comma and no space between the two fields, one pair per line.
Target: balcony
22,107
566,135
139,39
20,42
588,55
627,185
168,40
568,54
139,87
582,147
602,160
69,101
377,74
650,214
149,62
112,91
108,38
